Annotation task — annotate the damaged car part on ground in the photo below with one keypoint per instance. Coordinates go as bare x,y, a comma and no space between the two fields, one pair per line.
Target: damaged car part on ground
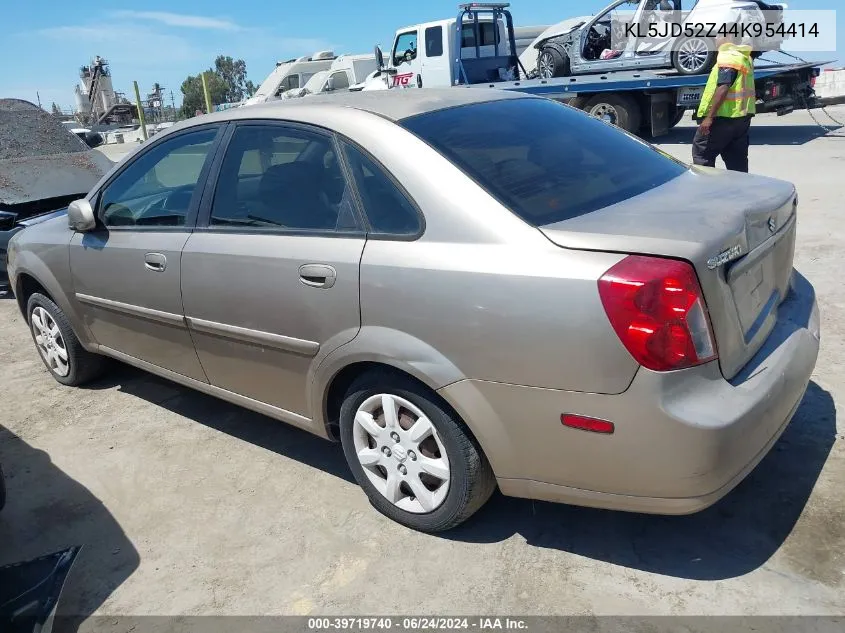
43,167
354,231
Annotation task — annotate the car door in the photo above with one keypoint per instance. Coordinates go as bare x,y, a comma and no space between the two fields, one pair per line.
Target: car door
270,276
127,272
435,69
406,60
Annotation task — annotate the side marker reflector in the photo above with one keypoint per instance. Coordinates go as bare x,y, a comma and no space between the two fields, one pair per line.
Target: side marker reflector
587,424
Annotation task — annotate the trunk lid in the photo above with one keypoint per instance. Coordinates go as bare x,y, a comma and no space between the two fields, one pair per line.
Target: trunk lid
738,231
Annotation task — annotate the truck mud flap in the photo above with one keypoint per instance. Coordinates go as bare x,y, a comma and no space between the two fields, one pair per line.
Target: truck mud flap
661,110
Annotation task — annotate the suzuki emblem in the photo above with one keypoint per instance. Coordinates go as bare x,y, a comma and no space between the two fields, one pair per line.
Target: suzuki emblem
772,225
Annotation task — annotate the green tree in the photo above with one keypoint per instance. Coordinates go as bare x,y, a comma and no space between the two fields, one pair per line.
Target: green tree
192,94
227,83
56,110
233,73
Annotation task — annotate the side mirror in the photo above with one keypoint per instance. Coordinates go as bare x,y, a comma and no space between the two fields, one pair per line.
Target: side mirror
379,57
80,216
7,220
330,83
93,139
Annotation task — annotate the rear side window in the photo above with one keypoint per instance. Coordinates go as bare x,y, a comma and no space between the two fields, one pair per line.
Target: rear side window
434,41
545,161
388,210
278,178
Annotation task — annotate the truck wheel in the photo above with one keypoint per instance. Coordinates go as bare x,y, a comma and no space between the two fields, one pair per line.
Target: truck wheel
677,118
619,110
553,62
578,102
694,56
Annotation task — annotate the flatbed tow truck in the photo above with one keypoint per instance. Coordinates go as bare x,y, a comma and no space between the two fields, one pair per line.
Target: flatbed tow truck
476,49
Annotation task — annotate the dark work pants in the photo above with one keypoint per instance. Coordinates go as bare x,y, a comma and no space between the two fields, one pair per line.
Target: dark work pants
728,138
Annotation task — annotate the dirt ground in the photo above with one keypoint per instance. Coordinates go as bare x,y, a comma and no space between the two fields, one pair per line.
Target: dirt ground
187,505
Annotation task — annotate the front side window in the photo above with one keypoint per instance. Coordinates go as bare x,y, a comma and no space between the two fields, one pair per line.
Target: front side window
291,82
340,81
274,177
388,210
406,48
545,161
156,189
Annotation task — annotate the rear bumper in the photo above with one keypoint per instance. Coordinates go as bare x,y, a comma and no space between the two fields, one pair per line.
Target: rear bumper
682,439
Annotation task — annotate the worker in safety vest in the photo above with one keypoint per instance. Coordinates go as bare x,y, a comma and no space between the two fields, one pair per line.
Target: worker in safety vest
727,106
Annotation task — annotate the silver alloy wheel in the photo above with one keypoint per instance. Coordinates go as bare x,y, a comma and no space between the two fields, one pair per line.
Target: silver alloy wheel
692,55
48,339
546,64
401,453
605,112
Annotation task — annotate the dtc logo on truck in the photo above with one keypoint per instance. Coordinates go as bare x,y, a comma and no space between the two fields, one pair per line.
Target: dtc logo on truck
403,80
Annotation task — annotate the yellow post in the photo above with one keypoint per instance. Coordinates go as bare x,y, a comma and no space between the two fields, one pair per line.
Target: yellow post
207,97
140,111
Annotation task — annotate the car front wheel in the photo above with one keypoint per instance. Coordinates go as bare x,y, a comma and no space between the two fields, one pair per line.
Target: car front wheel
553,62
63,355
417,463
694,56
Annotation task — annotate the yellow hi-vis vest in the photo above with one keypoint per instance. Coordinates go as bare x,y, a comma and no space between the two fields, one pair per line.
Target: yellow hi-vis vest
742,98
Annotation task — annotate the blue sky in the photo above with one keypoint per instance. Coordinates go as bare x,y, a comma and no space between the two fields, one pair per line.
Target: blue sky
43,47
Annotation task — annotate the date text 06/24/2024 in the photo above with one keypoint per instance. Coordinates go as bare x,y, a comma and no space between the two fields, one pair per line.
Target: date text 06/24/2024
415,623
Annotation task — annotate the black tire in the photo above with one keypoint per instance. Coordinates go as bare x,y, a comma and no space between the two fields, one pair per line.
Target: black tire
83,366
578,102
557,62
677,118
621,110
471,479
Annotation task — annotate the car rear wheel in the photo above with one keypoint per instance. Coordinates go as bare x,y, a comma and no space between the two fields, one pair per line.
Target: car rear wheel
620,110
553,62
417,463
694,56
63,355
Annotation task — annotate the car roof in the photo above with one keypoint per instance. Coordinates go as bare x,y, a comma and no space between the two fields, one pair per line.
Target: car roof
395,105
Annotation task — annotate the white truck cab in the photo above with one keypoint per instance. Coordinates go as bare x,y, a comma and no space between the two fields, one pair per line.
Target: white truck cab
291,75
430,55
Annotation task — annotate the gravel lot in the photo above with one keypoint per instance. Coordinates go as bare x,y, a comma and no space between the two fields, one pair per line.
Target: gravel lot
187,505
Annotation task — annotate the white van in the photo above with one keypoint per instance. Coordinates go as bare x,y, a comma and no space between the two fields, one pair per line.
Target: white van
345,72
291,75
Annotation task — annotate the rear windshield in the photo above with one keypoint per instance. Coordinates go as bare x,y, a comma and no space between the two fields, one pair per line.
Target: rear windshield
545,161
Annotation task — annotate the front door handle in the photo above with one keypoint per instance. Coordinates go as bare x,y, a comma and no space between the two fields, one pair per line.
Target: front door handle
317,275
155,262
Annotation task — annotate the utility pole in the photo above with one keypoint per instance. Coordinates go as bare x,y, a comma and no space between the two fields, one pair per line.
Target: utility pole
38,95
140,111
205,93
173,104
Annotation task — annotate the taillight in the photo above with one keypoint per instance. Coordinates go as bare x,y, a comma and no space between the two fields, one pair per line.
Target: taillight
656,308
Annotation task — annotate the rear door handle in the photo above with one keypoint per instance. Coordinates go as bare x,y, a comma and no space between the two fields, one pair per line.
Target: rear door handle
155,262
317,275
